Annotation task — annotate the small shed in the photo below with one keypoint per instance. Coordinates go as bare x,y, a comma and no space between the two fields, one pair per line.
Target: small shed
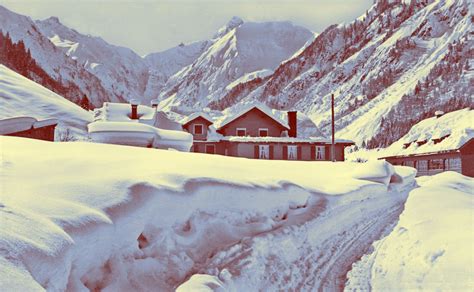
29,127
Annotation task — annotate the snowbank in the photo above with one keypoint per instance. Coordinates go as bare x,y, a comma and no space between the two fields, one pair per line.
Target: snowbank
23,97
138,218
431,246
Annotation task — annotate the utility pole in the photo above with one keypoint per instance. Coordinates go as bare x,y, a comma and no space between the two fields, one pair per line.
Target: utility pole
333,148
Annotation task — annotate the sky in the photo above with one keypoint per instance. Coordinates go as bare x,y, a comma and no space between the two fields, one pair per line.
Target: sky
148,26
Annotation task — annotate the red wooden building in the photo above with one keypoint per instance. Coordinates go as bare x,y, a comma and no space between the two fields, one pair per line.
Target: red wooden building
28,127
257,133
459,160
444,142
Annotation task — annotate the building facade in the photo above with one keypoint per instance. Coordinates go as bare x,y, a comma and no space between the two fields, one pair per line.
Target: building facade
256,133
29,127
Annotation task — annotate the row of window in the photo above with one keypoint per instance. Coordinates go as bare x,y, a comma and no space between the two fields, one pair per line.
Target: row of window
242,132
435,164
292,152
264,151
198,129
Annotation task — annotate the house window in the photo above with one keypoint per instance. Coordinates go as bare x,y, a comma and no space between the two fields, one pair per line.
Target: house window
422,165
263,132
436,164
241,132
292,152
409,163
198,129
453,164
264,151
210,149
320,152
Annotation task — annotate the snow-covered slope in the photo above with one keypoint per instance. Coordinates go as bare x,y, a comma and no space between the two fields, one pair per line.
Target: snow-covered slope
165,64
52,60
387,69
121,71
20,96
430,248
238,49
147,219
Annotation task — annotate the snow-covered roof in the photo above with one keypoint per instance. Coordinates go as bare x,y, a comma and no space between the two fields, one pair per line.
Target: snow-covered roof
448,132
195,116
120,112
263,108
139,134
20,124
284,140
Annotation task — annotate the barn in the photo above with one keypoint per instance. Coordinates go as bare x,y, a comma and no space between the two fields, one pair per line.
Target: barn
444,142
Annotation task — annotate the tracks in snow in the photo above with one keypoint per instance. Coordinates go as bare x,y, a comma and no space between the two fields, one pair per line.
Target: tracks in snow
311,251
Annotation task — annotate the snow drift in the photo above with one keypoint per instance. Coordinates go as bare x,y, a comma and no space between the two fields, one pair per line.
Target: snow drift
140,218
431,246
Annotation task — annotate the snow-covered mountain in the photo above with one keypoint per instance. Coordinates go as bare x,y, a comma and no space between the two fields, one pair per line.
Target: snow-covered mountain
121,71
105,72
23,97
239,49
165,64
388,69
67,71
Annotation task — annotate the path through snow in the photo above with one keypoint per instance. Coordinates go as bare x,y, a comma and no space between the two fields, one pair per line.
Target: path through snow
310,251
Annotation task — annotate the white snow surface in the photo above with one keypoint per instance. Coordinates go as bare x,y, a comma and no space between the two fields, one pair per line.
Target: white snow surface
141,219
430,247
20,96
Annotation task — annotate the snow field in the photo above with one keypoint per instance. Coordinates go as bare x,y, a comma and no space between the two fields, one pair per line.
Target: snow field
430,248
140,218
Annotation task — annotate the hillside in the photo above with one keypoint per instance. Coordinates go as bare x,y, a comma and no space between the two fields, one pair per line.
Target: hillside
20,96
239,49
65,71
121,71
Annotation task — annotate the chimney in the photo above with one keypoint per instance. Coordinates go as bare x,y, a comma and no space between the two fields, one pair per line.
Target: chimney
293,123
154,103
439,114
134,103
